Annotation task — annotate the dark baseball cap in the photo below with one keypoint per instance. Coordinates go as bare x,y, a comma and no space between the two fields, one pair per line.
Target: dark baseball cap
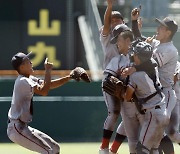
117,14
169,23
18,58
117,30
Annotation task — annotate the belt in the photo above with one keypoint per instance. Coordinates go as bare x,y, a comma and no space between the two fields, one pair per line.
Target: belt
156,107
9,120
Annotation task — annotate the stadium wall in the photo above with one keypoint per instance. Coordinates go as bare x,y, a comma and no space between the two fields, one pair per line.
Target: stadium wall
74,112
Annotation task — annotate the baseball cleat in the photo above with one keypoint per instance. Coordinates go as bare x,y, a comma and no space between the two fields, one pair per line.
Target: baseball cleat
103,151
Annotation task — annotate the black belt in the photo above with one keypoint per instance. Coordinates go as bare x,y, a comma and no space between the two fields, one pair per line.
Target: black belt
149,97
9,120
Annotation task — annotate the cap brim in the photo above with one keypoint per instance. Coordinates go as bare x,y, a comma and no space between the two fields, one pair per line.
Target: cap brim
160,22
114,40
28,55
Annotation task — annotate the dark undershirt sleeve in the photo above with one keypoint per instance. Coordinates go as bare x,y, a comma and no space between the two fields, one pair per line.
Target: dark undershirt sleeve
136,32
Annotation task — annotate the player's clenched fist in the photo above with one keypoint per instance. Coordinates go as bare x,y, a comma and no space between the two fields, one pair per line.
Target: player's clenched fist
135,13
48,65
110,2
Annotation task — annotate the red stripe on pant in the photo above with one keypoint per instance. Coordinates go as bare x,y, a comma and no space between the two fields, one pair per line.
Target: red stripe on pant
147,128
29,139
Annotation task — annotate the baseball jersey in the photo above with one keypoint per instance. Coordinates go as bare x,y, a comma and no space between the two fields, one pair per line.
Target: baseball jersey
117,64
21,105
166,56
110,50
177,86
144,87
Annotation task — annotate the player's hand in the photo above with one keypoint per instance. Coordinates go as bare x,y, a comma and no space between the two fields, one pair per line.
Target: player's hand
135,13
110,2
150,39
127,71
48,65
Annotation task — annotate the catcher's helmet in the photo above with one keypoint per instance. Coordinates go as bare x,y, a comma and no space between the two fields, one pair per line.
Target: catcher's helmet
143,50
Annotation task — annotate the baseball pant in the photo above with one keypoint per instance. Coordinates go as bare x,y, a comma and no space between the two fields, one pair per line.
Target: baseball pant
173,128
113,107
132,120
31,138
155,121
170,99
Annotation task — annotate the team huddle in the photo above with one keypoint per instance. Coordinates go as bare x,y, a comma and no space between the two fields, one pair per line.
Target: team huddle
140,83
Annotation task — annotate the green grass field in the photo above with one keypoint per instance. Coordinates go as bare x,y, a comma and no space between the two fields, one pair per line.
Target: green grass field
68,148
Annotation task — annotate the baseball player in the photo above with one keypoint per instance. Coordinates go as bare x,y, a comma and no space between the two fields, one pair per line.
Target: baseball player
175,119
111,19
166,56
123,40
152,100
21,111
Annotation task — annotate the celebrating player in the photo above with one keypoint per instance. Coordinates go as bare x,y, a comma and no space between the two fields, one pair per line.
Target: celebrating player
21,111
111,19
166,55
147,90
130,116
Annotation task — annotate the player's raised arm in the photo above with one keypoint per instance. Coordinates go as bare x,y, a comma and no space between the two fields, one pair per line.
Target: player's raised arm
135,13
107,18
44,88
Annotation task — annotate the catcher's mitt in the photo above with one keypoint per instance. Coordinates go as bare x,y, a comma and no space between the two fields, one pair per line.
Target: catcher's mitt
114,87
79,74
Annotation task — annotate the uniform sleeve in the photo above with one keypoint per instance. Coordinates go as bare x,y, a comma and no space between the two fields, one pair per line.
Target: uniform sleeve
112,67
132,82
24,88
37,80
163,57
105,40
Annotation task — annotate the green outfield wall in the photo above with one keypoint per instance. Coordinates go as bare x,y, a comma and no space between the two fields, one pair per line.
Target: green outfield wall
73,112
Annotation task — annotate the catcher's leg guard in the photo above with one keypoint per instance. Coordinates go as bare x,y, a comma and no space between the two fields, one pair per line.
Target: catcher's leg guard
141,149
103,151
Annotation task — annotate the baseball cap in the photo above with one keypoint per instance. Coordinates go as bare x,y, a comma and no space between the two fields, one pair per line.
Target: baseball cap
117,30
18,58
169,23
117,14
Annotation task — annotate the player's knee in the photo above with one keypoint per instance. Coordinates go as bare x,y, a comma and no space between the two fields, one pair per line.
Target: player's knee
173,135
141,149
114,113
154,151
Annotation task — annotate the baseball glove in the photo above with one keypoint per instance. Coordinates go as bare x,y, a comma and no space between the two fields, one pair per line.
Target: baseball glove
79,74
114,87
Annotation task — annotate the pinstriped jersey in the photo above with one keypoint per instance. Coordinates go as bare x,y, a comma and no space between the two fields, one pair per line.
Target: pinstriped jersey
166,55
117,64
22,98
143,87
110,50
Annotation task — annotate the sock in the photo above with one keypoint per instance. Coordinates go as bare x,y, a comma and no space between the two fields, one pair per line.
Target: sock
106,138
166,145
117,142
